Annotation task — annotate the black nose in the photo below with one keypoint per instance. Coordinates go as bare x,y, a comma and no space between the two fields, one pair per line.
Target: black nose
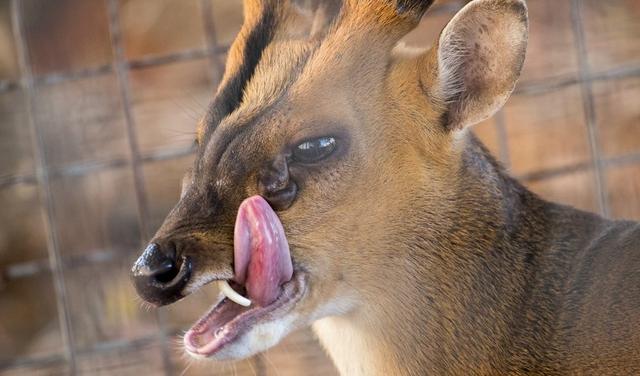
159,276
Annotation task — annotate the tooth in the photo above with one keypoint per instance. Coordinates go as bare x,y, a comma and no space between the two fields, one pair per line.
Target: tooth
230,293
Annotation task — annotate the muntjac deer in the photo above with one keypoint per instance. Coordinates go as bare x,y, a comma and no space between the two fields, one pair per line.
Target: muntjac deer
336,184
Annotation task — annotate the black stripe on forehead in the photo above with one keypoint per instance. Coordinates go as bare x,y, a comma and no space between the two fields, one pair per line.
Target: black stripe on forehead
418,7
229,97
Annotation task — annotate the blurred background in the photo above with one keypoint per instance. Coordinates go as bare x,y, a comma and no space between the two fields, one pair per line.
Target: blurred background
98,105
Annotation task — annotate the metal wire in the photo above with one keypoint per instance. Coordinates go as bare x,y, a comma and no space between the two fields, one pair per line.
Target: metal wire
588,105
42,177
503,144
122,73
217,67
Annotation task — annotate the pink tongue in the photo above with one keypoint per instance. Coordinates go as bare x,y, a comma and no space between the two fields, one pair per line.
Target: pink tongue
261,252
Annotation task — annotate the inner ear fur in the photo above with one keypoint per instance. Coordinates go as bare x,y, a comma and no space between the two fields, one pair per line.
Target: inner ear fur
479,56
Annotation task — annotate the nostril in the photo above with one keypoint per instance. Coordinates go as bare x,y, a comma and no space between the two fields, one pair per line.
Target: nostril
160,275
283,198
167,272
157,265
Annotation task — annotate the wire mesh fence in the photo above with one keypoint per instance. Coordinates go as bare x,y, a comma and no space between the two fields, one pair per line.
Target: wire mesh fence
80,200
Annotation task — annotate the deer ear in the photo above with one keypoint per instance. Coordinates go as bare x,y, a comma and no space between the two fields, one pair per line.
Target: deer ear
479,57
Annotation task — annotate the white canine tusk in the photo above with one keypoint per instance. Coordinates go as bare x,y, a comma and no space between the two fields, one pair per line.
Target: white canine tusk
230,293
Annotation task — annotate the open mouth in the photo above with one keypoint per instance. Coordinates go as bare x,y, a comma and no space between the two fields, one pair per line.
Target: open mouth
264,286
228,320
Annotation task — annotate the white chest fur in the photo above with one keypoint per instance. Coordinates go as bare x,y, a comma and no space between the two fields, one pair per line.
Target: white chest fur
354,350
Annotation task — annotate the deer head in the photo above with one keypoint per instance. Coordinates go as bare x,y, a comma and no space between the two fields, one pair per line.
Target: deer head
323,125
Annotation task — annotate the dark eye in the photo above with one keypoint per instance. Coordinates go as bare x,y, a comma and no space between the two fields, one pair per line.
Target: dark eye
314,150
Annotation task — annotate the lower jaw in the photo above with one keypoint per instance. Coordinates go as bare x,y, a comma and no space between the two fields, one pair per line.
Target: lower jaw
224,335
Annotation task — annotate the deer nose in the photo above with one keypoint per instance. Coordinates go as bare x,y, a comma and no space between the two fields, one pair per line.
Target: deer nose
159,275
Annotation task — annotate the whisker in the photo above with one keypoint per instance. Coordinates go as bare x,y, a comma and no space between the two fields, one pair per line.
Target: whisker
271,363
142,304
189,364
178,343
193,111
249,362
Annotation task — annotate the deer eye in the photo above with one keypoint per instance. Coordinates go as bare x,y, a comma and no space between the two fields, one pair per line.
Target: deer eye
314,150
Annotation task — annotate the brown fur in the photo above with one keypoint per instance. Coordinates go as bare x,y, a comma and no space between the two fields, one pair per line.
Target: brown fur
424,256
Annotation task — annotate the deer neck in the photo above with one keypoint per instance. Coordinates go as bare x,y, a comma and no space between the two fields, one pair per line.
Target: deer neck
465,298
